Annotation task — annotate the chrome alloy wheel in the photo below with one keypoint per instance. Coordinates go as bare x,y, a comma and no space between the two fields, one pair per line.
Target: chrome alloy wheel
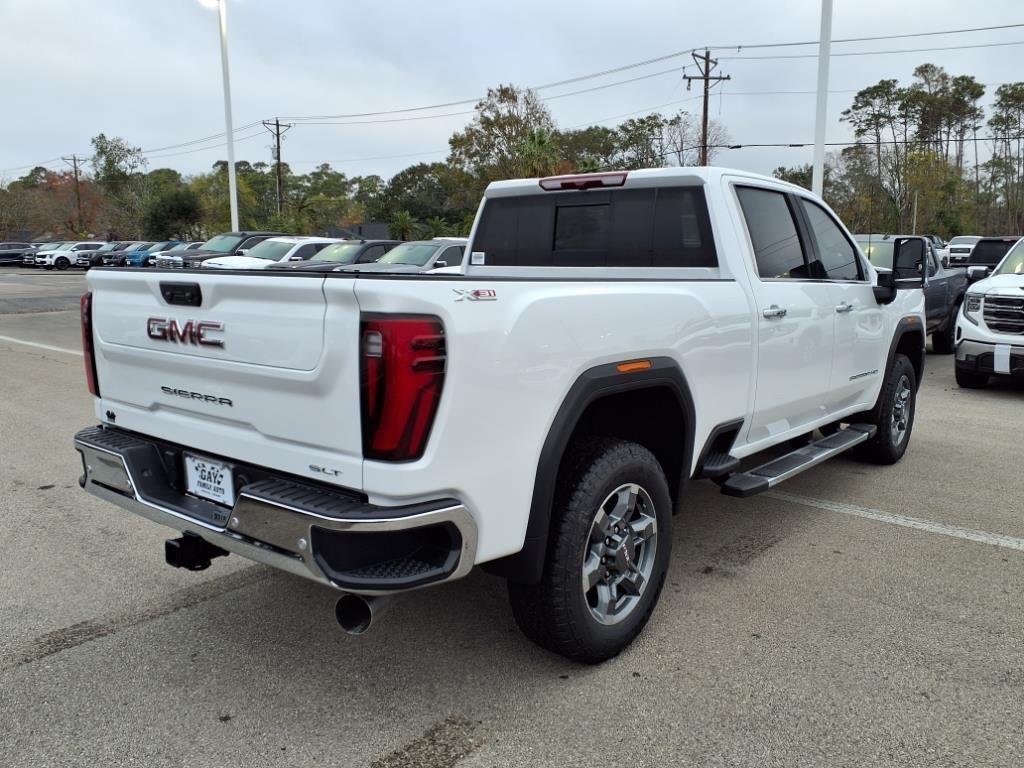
619,559
902,408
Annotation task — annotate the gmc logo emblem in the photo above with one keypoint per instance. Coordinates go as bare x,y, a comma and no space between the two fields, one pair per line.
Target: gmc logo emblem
192,332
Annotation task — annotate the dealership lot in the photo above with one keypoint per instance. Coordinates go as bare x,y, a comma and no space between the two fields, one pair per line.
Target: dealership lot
862,615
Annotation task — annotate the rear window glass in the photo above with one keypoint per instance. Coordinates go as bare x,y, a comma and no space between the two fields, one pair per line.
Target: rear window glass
661,227
990,252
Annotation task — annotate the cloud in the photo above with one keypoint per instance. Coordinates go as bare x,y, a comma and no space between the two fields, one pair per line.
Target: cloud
149,70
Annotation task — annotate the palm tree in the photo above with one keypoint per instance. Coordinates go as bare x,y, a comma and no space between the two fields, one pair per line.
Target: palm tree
403,226
435,227
539,155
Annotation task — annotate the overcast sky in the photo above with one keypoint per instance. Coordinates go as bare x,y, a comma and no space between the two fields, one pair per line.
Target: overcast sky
149,70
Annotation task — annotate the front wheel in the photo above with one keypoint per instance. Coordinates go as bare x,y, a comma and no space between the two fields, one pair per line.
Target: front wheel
47,266
63,264
893,415
609,548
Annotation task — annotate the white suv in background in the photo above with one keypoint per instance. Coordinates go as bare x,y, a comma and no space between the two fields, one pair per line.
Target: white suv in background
990,326
63,257
272,251
960,248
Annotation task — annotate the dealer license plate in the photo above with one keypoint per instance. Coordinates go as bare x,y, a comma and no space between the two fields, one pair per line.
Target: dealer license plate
209,479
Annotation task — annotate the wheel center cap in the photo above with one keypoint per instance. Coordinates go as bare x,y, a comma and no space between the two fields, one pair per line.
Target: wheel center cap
624,554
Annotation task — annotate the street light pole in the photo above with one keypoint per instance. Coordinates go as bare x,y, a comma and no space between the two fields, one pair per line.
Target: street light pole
824,51
222,13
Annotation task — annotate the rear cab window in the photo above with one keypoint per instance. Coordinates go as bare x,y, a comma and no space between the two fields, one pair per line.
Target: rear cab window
773,234
795,238
647,227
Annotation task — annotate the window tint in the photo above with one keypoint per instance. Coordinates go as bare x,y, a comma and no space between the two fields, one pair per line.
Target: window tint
837,254
372,253
660,227
452,255
773,234
305,252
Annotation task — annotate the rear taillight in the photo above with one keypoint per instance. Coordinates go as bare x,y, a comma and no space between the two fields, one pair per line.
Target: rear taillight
402,365
88,351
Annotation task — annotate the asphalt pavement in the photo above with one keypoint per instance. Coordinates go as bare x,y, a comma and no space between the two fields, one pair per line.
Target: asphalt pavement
861,616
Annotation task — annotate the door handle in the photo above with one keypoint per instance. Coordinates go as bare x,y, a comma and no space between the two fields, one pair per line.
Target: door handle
845,306
774,311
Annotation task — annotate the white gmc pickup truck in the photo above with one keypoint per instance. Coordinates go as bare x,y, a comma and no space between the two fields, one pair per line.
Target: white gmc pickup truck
610,338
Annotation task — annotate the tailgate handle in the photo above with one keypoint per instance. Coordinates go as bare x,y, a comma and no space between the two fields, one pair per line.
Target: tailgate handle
182,294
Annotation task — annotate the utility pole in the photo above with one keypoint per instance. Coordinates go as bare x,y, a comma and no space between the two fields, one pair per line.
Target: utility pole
705,65
73,161
278,130
821,106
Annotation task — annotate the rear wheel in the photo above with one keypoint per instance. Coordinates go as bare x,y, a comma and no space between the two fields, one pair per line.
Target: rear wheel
609,548
893,415
971,380
47,266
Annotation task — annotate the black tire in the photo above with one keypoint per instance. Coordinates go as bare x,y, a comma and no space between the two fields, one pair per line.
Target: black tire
556,613
62,264
47,267
896,405
971,380
944,342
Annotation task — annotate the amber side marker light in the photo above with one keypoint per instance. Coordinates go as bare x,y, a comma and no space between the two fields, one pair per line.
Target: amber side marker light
636,365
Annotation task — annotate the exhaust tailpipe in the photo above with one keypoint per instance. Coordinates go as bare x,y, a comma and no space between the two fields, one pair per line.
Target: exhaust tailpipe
356,613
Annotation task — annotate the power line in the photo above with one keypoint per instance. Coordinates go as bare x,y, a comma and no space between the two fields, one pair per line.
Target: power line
873,38
873,53
634,65
212,137
205,149
657,59
884,142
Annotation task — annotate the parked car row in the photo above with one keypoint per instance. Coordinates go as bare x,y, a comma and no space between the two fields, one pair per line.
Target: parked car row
268,250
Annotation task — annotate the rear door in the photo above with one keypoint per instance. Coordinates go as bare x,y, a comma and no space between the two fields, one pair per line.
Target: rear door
233,366
795,316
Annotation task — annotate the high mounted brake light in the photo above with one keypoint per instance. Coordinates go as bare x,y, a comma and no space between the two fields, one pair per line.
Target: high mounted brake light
583,181
88,351
402,367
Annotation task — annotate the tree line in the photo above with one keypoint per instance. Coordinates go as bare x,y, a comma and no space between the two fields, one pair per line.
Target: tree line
926,149
512,134
927,154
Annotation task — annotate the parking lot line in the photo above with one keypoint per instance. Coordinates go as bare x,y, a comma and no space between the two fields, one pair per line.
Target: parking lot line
968,534
36,344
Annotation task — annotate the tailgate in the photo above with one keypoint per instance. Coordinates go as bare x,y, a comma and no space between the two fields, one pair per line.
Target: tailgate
257,368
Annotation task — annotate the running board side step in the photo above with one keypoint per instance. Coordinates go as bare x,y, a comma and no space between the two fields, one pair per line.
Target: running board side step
778,470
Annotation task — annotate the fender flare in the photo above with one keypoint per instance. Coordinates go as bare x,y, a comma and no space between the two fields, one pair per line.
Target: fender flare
527,565
911,324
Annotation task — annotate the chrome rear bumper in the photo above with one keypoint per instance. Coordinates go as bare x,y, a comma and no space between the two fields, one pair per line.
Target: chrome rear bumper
298,528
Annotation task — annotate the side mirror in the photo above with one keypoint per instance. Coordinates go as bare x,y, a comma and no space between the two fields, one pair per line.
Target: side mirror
295,258
885,290
241,251
439,264
945,262
976,273
908,263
